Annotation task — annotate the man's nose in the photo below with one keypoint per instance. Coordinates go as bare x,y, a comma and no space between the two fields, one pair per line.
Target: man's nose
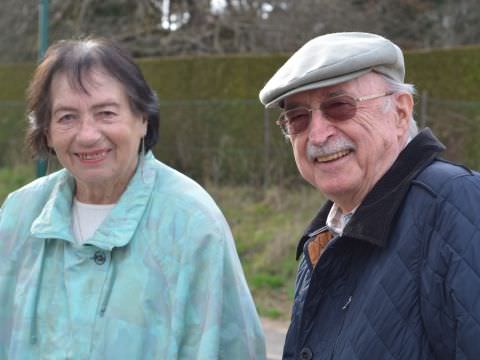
320,128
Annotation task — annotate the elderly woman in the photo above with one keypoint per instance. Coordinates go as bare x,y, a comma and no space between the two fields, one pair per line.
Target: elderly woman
116,256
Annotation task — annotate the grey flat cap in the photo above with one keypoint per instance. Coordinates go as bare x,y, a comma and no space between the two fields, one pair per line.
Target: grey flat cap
332,59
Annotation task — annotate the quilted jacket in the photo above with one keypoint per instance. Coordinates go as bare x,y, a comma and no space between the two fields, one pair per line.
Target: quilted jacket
403,282
159,279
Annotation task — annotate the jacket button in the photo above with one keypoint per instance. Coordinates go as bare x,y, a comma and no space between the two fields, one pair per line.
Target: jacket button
99,257
306,354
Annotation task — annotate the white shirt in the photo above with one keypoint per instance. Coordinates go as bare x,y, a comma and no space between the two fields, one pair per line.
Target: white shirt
337,220
87,218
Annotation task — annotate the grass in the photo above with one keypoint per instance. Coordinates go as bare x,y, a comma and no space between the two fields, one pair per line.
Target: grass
266,224
13,178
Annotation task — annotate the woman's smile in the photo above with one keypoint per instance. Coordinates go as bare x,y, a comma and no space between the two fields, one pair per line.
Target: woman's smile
92,157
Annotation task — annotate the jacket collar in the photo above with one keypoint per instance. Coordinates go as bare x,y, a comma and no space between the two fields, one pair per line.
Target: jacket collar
118,228
374,218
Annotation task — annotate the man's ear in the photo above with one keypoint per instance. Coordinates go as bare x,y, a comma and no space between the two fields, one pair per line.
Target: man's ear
404,110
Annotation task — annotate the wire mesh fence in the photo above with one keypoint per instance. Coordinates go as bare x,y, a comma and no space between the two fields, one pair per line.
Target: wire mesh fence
456,123
237,141
12,129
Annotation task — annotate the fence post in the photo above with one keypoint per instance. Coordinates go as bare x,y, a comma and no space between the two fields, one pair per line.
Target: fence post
424,109
266,148
41,168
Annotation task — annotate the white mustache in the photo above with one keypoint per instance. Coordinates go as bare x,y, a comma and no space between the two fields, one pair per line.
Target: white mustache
329,148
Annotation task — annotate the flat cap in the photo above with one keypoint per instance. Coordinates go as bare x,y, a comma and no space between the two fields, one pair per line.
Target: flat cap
332,59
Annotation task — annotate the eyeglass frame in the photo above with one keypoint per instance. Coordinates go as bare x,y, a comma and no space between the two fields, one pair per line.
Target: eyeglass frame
282,122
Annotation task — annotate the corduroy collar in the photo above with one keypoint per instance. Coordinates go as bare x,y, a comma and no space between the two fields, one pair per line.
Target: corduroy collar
375,216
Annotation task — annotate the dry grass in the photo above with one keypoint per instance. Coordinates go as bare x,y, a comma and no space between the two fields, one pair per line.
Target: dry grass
267,225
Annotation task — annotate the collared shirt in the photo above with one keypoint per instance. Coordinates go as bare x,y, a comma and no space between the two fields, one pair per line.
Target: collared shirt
337,220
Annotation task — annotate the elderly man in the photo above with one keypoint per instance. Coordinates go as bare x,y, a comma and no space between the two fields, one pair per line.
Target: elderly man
391,263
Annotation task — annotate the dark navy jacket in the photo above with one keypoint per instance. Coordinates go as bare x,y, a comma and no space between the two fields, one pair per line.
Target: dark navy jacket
403,282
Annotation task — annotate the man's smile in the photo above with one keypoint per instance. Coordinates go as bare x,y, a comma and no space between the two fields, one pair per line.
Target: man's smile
332,157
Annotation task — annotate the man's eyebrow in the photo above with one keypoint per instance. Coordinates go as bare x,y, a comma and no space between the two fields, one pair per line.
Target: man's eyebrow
293,105
334,93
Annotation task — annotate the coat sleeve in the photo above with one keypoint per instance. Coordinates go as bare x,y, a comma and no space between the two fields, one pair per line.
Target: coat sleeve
220,320
450,282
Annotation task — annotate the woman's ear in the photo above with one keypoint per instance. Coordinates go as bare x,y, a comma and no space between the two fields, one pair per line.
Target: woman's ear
46,133
145,125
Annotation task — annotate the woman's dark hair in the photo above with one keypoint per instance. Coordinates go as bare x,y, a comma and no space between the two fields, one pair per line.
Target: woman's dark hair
76,59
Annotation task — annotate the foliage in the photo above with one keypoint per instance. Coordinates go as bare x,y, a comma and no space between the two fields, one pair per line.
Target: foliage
209,77
13,124
194,27
12,178
14,78
267,225
451,74
214,129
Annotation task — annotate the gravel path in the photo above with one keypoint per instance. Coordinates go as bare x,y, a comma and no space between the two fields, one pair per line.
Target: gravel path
275,332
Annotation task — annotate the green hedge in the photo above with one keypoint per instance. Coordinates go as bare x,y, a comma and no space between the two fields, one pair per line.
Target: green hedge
452,74
214,128
209,78
14,80
446,73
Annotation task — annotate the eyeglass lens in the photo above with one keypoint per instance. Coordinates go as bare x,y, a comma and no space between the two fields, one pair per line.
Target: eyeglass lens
297,120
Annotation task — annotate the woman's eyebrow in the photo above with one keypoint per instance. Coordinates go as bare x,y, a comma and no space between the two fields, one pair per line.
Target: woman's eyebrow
108,103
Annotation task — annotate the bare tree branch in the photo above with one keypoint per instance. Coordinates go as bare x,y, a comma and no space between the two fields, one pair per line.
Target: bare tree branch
241,26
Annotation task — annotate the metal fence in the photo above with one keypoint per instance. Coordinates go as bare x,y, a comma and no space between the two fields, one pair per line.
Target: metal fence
236,141
456,123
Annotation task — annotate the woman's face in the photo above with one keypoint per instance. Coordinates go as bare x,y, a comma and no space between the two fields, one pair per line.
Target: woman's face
95,135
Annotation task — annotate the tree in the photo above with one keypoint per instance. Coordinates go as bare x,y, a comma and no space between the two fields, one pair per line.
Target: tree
192,27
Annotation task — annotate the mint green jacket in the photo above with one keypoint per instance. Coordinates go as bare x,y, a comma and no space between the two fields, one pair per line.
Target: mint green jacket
159,279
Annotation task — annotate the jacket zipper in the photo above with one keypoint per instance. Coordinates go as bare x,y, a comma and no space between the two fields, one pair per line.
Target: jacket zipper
344,309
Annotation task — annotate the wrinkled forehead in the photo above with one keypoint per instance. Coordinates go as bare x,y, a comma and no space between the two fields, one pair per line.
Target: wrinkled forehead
363,85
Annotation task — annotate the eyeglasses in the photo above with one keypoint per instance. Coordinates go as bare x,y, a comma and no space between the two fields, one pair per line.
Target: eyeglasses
338,108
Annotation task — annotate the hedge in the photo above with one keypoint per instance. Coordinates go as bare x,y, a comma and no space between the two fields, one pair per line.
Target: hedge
214,128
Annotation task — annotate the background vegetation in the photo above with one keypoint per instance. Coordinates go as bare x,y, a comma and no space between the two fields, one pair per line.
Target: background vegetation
214,129
199,27
207,60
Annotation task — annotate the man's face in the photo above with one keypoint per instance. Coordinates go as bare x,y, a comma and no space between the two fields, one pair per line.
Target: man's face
345,159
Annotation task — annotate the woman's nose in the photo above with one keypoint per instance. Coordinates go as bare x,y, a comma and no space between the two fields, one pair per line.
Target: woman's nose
88,132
